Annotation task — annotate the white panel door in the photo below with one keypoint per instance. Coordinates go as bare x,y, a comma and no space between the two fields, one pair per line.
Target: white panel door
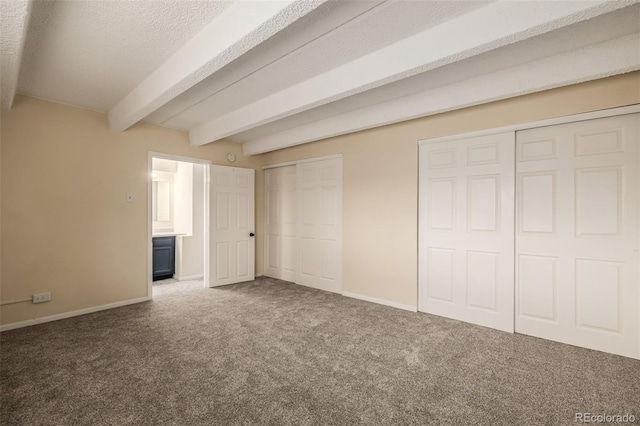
577,234
466,267
231,240
319,230
280,209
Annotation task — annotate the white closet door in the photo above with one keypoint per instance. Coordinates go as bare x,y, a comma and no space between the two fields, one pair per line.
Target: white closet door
319,230
577,234
280,207
467,229
232,246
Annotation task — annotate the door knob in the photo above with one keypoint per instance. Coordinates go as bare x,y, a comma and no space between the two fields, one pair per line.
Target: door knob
251,234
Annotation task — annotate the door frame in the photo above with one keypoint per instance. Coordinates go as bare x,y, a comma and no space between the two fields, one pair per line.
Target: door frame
161,155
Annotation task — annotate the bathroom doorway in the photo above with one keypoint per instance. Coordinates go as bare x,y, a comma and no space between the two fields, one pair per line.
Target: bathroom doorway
219,198
178,222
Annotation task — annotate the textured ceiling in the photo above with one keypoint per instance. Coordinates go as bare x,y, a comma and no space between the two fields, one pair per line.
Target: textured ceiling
14,18
276,73
91,53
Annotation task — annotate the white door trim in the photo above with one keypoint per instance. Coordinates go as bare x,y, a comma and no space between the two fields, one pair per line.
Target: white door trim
305,160
184,159
631,109
150,156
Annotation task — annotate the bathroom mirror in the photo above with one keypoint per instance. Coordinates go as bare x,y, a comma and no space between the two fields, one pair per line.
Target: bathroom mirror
161,201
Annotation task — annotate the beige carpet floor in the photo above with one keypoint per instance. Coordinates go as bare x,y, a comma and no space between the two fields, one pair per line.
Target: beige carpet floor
274,353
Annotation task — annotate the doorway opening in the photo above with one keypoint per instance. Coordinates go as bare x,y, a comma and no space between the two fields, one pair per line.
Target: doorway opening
203,220
178,222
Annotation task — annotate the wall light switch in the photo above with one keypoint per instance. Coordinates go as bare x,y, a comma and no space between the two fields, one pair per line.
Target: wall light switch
129,197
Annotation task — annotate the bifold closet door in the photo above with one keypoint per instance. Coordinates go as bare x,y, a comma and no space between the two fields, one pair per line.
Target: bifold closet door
280,207
577,234
466,249
319,230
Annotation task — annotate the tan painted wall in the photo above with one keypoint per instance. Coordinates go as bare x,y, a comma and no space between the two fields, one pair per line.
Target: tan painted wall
380,213
66,227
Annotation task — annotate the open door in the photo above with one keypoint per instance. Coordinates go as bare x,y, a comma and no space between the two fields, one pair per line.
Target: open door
232,226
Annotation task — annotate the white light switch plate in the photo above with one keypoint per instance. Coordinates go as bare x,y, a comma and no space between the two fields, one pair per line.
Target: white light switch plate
129,197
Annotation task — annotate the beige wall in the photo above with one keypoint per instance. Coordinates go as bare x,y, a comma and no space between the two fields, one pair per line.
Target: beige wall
380,213
66,227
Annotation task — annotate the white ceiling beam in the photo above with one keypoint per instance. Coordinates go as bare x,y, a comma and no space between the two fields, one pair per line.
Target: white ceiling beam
490,27
333,16
597,61
240,27
14,22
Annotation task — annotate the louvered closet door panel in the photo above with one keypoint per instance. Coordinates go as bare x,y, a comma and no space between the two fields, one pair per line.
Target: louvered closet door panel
467,230
577,234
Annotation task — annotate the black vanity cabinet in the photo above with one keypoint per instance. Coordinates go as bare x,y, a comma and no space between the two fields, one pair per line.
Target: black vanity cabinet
164,257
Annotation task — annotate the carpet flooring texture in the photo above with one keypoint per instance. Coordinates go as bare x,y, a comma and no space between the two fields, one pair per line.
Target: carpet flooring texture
275,353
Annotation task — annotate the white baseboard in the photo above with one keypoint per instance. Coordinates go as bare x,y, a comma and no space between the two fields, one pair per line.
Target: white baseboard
381,301
189,278
258,275
27,323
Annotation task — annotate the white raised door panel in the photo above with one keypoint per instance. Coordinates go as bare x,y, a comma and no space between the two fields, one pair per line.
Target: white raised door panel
577,234
232,247
319,224
281,208
467,229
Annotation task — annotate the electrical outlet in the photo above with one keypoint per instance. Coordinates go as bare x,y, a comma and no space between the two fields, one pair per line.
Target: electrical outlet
41,298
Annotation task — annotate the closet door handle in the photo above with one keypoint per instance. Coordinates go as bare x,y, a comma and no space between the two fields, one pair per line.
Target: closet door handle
251,234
